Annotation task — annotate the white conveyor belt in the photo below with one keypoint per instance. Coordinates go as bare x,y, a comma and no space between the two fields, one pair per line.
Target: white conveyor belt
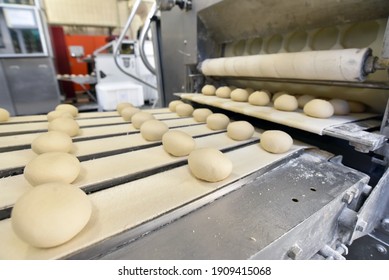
334,65
296,119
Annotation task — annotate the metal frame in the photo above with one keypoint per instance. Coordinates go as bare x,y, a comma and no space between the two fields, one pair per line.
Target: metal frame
42,31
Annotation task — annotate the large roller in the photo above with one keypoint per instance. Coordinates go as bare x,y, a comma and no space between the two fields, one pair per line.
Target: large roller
334,65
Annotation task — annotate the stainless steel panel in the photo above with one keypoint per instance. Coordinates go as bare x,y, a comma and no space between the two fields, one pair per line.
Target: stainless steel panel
5,95
262,219
179,46
32,84
232,20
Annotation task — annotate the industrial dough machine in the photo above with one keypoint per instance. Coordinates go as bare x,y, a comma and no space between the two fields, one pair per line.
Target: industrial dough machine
327,198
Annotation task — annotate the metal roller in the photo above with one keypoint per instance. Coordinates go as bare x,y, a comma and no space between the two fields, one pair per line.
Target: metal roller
336,65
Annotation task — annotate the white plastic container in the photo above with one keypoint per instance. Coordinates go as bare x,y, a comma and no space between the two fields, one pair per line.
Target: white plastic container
109,95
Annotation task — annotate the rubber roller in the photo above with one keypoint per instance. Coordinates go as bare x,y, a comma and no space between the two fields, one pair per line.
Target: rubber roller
334,65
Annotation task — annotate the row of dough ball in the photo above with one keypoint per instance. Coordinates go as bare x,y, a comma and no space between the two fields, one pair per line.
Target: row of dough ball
66,76
57,209
218,166
273,141
153,130
62,119
55,161
283,101
237,130
178,144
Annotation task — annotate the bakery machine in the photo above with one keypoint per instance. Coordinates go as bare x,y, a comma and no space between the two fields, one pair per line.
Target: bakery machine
326,198
301,47
27,74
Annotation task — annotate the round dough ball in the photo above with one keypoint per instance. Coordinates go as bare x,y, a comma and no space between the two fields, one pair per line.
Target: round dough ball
173,104
208,90
73,110
52,141
217,121
128,112
356,107
50,214
209,164
153,130
259,98
278,94
276,141
178,143
67,125
58,114
286,102
240,95
139,118
4,115
122,105
223,92
304,99
319,108
52,167
201,115
341,107
240,130
184,110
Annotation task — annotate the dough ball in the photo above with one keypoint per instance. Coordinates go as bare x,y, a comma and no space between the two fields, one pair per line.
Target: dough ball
184,110
356,107
52,141
240,95
217,121
319,108
153,130
67,125
173,104
223,92
208,90
4,115
52,167
276,141
201,115
58,114
209,164
259,98
341,107
178,143
278,94
50,214
304,99
139,118
240,130
122,105
286,102
73,110
128,112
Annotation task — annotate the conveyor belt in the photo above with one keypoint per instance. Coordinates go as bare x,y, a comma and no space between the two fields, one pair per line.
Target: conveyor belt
138,184
22,128
125,206
80,116
350,127
22,141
